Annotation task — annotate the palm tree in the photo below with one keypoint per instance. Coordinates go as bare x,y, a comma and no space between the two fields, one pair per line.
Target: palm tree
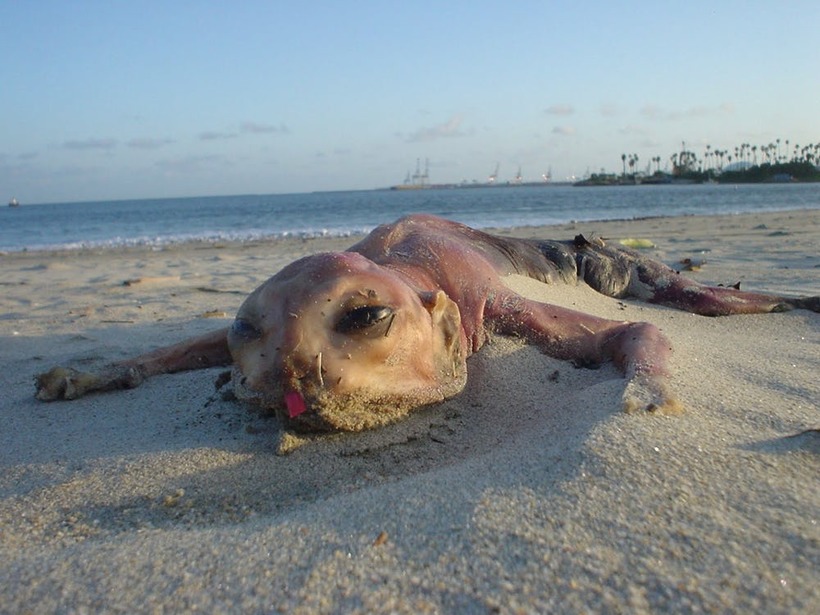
623,162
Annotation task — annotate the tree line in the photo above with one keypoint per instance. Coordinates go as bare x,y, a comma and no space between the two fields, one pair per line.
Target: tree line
779,160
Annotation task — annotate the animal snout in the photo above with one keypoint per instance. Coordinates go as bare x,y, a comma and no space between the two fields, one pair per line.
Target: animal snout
292,372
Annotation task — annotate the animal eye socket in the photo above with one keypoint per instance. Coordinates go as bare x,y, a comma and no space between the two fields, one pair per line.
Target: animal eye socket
365,318
244,329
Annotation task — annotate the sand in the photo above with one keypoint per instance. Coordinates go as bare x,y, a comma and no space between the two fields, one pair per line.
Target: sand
530,492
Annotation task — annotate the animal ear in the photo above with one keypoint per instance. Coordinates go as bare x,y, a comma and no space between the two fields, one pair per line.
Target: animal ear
446,320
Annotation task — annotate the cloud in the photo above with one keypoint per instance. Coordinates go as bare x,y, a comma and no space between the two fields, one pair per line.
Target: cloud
449,129
91,144
631,129
560,110
340,152
610,110
148,143
564,131
254,128
654,112
211,135
189,164
257,128
650,143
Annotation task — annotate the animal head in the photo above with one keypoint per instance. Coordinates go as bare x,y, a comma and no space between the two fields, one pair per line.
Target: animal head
336,342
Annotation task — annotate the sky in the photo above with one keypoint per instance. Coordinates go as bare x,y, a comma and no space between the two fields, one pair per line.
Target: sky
120,100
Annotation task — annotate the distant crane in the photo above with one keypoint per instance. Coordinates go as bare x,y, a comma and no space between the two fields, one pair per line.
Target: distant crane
419,178
491,179
417,174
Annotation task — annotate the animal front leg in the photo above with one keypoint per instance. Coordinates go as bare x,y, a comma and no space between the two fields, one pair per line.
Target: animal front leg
208,350
642,352
638,349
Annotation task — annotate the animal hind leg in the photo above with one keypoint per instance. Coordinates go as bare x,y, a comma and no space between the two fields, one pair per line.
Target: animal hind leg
654,282
657,283
624,273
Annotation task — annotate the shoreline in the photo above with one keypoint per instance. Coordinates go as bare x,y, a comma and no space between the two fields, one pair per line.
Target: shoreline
285,241
529,491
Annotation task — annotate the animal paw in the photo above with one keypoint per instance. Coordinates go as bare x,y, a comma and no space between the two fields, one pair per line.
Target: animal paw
69,383
650,393
64,383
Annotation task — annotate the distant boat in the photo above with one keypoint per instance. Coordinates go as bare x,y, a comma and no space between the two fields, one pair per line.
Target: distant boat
14,202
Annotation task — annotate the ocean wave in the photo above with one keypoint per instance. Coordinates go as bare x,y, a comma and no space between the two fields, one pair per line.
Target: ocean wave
162,241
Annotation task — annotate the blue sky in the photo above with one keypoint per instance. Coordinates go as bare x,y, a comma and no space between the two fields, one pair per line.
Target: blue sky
116,100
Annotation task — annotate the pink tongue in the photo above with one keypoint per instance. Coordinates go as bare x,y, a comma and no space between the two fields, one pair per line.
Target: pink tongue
295,403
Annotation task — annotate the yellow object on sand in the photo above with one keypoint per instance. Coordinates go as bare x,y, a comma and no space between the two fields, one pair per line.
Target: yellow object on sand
638,244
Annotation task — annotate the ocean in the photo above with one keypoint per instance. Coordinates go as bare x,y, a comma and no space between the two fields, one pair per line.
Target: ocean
158,222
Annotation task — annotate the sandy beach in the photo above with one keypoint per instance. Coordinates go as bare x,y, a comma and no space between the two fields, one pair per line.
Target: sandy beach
528,493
